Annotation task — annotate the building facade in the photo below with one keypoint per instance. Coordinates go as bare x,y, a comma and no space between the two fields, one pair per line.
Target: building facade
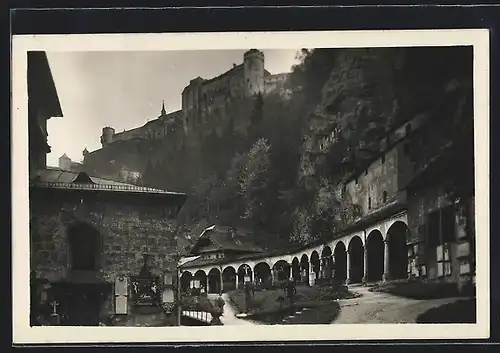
203,99
89,238
65,163
415,220
43,104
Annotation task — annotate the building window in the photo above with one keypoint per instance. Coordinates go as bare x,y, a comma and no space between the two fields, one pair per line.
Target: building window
382,159
369,203
385,196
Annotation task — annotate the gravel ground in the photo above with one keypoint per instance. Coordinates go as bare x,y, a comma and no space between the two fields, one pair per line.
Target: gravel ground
379,308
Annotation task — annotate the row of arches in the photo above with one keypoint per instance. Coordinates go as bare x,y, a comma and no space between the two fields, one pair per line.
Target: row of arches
374,261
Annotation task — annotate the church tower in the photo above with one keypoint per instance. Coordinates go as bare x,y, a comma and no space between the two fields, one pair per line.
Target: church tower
163,111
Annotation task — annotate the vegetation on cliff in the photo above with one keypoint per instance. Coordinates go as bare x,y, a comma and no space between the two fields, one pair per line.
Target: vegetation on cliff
255,179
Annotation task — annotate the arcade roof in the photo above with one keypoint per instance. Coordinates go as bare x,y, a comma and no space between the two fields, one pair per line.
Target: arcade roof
225,238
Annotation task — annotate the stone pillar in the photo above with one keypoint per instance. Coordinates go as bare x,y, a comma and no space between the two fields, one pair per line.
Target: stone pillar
290,272
348,263
312,275
237,277
365,263
386,275
221,282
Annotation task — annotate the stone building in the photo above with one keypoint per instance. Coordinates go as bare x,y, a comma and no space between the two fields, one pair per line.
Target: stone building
65,163
92,240
43,104
204,97
215,244
209,106
415,222
87,232
441,237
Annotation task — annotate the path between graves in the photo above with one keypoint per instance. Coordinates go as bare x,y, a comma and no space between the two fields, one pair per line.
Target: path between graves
376,308
229,317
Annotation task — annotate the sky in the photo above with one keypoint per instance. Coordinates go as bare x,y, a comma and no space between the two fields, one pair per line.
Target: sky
125,90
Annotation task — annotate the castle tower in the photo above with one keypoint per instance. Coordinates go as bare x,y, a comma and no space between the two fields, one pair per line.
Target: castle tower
254,72
107,136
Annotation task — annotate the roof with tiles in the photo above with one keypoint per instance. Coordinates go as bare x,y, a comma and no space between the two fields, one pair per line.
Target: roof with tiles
62,179
225,238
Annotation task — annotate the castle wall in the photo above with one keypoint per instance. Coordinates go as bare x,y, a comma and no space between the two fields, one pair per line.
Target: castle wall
208,107
275,82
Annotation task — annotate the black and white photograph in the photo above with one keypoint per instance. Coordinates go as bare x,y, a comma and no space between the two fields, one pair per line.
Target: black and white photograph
217,180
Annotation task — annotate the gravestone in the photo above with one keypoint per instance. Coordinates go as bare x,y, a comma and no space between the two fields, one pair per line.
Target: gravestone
121,295
145,287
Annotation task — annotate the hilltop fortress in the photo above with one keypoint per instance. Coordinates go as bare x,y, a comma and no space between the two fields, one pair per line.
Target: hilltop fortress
208,107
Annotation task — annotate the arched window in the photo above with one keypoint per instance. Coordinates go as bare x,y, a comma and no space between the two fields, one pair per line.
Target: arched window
85,246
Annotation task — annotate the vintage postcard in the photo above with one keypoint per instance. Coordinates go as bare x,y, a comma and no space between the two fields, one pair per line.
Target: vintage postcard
305,185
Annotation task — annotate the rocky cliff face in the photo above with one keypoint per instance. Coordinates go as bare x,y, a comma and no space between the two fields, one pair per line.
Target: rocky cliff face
367,94
370,91
177,160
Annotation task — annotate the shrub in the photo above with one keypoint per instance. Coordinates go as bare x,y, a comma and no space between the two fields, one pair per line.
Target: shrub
219,302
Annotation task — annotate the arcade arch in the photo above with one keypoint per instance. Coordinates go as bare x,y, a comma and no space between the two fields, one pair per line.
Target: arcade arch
186,281
281,270
375,256
304,269
245,274
397,250
356,260
262,273
315,263
340,265
296,270
214,281
229,278
327,262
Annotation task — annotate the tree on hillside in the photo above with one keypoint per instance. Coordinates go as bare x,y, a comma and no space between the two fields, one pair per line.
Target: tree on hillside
255,179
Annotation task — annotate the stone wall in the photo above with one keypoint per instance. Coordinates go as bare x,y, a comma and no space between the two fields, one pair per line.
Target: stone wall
129,226
378,180
459,251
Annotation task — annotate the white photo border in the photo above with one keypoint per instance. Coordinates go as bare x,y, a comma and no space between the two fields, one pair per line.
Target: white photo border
24,334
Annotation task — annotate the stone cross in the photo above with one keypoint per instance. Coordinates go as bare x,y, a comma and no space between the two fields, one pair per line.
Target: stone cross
55,304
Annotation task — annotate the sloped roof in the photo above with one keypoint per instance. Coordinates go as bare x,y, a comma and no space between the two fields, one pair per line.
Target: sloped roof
64,179
252,256
42,90
227,238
